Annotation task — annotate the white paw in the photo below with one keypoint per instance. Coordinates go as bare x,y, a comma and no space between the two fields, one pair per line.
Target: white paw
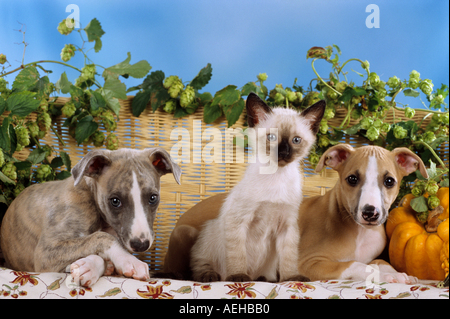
398,277
132,267
86,271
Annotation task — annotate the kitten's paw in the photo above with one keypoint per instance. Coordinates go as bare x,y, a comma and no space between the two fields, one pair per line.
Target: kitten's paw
238,278
298,278
208,276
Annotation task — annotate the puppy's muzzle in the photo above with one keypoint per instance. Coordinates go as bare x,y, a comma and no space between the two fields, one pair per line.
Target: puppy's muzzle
138,245
370,213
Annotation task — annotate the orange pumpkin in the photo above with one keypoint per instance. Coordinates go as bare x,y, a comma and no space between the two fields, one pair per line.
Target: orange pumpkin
412,249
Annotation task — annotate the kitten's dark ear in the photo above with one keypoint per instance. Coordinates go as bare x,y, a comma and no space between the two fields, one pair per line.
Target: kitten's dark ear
314,115
257,109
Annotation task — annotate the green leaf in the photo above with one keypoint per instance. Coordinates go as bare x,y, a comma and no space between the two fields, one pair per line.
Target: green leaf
12,138
5,142
227,96
43,88
63,84
211,113
117,88
37,156
66,160
94,32
57,162
202,77
411,92
419,204
249,88
63,175
444,183
2,105
140,102
85,128
22,103
137,70
26,79
97,101
153,80
350,92
7,180
233,112
204,97
111,101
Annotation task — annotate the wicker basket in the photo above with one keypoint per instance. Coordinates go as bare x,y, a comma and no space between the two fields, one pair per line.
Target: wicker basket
199,180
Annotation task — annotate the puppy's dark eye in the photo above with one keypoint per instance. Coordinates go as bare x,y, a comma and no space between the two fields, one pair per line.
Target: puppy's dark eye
296,140
153,199
389,182
115,202
352,180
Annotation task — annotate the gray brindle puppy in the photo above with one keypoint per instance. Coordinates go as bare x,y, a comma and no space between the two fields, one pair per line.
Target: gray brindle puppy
89,222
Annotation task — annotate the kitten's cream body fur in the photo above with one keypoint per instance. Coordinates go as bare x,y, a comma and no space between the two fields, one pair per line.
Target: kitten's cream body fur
256,232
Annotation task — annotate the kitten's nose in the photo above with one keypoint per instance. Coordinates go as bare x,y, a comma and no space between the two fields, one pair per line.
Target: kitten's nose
284,150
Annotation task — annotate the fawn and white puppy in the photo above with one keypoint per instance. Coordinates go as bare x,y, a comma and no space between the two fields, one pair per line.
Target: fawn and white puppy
90,220
341,232
255,234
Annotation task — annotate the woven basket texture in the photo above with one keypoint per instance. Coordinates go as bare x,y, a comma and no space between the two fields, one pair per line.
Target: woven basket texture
199,179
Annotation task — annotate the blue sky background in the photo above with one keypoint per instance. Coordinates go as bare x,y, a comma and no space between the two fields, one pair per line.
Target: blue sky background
240,38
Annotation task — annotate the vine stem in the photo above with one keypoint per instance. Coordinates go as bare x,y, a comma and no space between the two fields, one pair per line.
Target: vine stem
321,80
431,150
23,66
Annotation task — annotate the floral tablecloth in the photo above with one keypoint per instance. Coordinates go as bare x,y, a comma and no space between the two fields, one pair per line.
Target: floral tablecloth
21,285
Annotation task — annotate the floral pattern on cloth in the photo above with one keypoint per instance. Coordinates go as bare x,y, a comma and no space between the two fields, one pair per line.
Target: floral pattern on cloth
21,285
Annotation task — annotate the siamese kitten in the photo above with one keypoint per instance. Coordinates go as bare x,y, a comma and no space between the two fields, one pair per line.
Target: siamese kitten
256,234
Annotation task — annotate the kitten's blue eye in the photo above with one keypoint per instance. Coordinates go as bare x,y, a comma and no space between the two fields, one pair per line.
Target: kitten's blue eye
296,140
271,137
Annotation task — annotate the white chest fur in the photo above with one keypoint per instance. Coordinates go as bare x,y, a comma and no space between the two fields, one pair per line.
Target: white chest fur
370,242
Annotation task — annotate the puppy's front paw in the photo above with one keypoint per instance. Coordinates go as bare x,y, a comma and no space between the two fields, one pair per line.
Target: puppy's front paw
238,278
207,276
398,277
86,271
132,267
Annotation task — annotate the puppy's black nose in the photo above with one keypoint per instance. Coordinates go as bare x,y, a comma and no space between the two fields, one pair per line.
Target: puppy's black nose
370,213
138,245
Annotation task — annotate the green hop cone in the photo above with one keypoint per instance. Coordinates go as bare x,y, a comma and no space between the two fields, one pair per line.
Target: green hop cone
393,82
422,217
47,149
332,95
67,52
65,28
187,96
2,58
324,141
43,173
329,113
432,187
341,86
175,89
279,98
374,78
10,171
323,127
314,159
400,132
33,128
366,123
68,109
439,99
170,80
2,158
413,83
299,96
43,105
18,189
291,96
98,138
378,123
426,86
22,135
44,121
262,77
88,71
433,202
112,142
409,112
373,133
386,127
428,137
365,65
169,107
108,120
416,191
414,75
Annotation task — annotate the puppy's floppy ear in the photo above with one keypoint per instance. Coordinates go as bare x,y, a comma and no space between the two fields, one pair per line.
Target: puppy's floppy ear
257,109
314,114
163,164
91,165
408,162
334,156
